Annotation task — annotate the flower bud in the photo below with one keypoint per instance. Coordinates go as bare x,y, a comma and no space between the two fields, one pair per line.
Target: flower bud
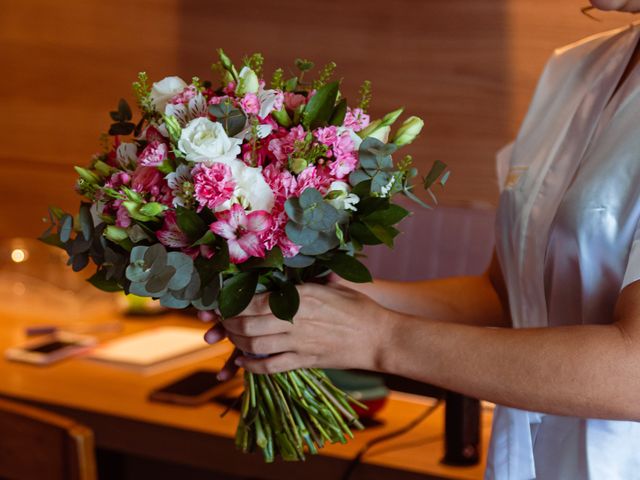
391,117
373,126
408,131
382,133
247,82
297,165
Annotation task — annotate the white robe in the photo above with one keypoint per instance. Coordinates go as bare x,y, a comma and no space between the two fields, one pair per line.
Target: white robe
568,242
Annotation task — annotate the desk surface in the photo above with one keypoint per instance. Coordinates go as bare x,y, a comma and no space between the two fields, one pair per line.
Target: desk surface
113,402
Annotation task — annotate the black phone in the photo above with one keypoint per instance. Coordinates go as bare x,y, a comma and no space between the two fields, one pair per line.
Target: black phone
195,389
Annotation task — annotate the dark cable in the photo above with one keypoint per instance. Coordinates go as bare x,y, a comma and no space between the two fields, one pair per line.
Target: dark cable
357,460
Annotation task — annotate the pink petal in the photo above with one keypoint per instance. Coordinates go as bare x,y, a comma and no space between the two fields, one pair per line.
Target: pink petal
258,221
223,229
237,217
251,244
236,253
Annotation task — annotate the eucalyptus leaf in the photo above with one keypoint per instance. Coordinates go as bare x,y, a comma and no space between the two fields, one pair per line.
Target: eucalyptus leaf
299,234
168,300
183,265
436,170
85,220
299,261
325,242
232,119
65,228
158,283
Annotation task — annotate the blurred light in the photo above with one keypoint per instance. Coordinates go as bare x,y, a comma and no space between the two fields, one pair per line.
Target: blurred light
19,255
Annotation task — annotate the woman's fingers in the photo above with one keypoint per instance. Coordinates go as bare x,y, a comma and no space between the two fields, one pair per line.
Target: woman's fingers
252,326
259,305
282,362
263,345
230,367
215,334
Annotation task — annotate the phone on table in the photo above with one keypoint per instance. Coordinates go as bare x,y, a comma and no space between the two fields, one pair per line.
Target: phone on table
195,389
51,348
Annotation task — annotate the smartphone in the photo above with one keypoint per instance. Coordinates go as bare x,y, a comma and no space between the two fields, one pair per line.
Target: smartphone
51,348
195,389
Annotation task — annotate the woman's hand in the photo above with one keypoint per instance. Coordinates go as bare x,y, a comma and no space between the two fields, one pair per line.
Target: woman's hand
336,327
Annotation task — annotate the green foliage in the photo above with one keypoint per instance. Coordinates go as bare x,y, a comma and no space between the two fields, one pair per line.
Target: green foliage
349,268
277,80
284,299
320,108
191,225
325,74
122,120
232,119
236,293
376,165
142,91
303,64
339,112
365,95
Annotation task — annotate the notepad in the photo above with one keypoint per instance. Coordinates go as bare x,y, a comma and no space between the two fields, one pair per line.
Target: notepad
158,348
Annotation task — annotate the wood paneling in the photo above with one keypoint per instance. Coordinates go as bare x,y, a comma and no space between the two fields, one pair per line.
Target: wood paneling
467,67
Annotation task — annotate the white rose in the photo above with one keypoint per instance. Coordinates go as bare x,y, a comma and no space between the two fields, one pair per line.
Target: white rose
165,90
340,196
252,190
205,141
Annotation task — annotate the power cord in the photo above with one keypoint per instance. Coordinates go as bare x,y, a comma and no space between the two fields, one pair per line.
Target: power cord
357,460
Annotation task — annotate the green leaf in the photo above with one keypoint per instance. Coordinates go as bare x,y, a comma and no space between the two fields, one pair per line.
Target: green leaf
319,109
291,84
389,216
85,219
437,169
272,260
284,301
325,242
362,233
282,117
207,239
384,233
65,228
115,234
299,261
168,300
299,234
152,209
190,223
232,119
337,117
236,293
349,268
100,281
158,283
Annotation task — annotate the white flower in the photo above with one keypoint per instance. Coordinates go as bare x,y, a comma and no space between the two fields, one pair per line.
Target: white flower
180,184
184,113
127,155
165,90
268,100
341,197
252,190
247,81
205,141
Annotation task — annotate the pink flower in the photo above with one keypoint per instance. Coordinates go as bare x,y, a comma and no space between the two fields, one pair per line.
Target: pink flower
218,100
123,220
327,135
293,100
250,104
276,236
343,166
117,180
153,154
147,180
184,96
151,134
213,185
170,234
282,147
314,177
356,119
243,232
282,182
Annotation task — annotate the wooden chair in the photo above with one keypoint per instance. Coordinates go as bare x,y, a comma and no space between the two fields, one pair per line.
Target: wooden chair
38,445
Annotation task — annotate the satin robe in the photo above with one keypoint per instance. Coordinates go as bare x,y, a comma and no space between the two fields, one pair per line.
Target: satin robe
568,242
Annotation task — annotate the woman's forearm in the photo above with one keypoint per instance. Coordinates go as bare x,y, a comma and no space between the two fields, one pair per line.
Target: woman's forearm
469,300
587,371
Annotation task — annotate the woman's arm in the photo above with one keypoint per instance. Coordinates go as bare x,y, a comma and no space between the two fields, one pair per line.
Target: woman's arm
472,300
589,371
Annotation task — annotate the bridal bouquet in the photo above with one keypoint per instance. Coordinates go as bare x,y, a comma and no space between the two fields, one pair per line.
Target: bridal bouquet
219,192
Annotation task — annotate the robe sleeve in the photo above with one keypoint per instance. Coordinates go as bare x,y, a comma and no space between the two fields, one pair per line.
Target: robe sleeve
632,272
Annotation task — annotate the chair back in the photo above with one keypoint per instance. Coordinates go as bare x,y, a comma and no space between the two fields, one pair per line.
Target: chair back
36,444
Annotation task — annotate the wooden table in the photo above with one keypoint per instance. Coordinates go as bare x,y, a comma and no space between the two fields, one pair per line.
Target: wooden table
113,402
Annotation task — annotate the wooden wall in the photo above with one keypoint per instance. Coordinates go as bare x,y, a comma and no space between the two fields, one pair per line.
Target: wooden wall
468,67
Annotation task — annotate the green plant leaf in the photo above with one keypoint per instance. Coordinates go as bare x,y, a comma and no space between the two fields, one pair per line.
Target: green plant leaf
100,281
299,261
183,265
339,112
385,234
152,209
272,260
190,223
207,239
236,293
389,216
284,300
85,220
349,268
436,170
65,228
232,119
319,109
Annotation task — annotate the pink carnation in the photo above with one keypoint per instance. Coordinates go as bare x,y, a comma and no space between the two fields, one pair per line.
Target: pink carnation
313,177
282,147
356,119
343,166
327,135
276,236
218,100
213,185
250,104
153,154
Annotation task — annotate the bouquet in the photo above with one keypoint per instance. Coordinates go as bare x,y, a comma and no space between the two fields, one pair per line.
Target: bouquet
221,192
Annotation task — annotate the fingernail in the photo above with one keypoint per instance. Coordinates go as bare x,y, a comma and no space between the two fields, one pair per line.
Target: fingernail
222,376
212,336
239,362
